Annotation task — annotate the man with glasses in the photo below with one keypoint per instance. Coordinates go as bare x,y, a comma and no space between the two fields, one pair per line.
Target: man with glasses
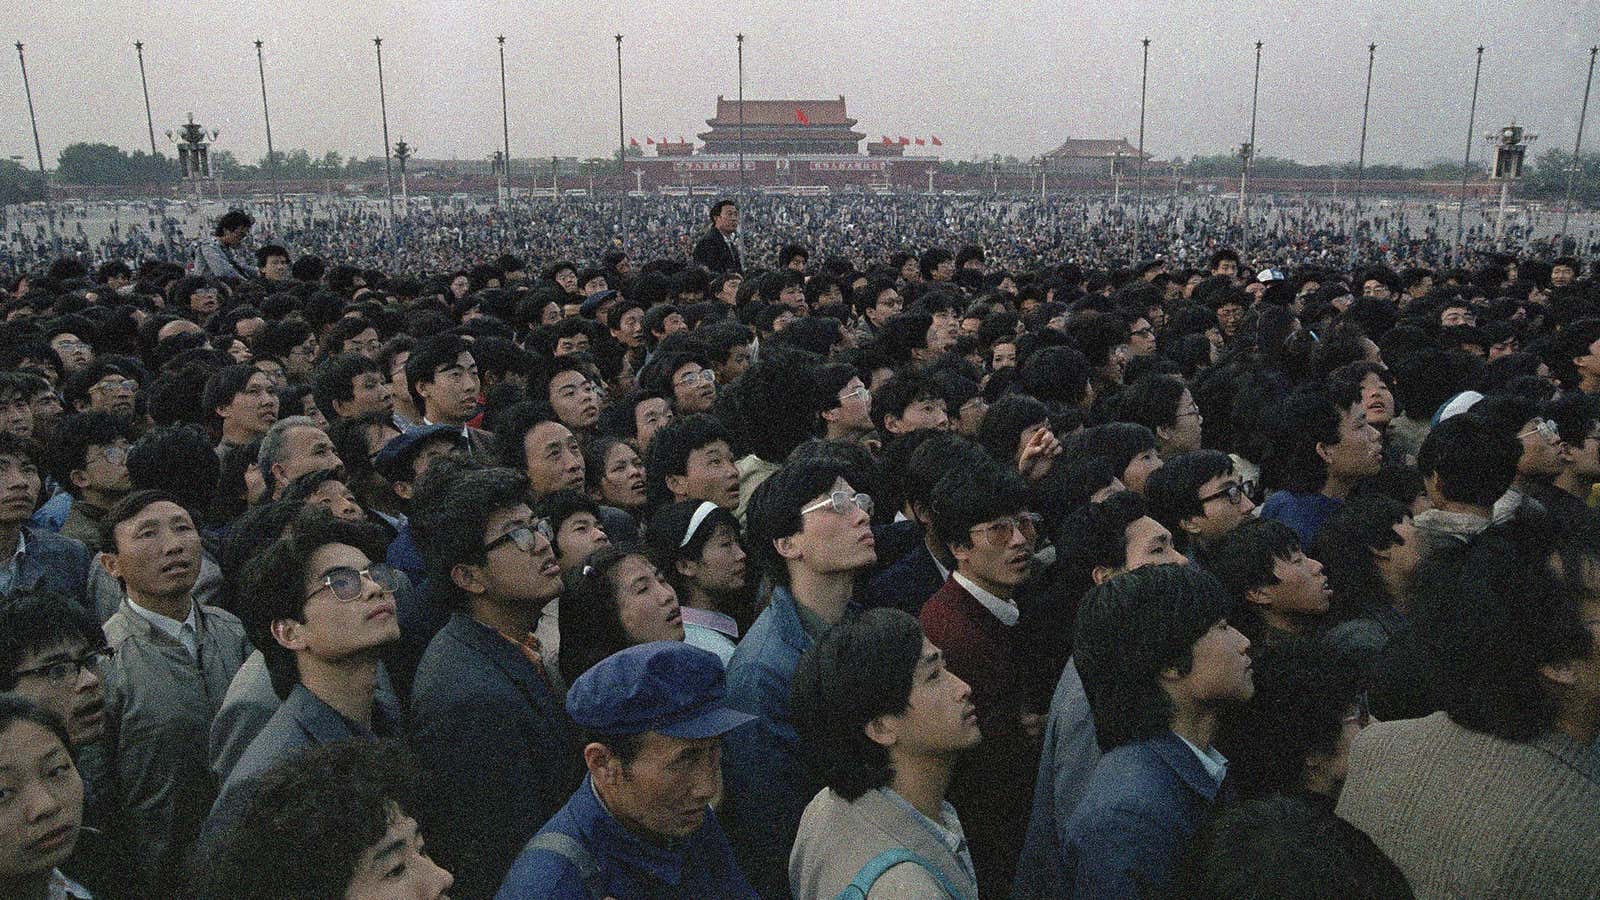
487,723
90,459
53,653
174,660
102,387
980,514
810,530
320,608
1198,497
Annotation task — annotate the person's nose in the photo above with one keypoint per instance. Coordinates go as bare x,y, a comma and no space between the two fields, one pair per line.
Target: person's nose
42,803
438,878
88,679
1246,505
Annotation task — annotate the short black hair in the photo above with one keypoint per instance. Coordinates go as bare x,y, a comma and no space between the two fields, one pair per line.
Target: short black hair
1118,442
1346,544
591,623
273,582
969,496
1474,461
130,506
716,207
1498,609
1130,629
223,385
1173,491
233,218
33,620
69,450
1295,425
859,670
774,509
907,387
1152,401
334,380
1243,561
432,353
511,427
1304,688
1283,847
669,450
450,513
1000,433
179,459
1093,536
308,822
559,506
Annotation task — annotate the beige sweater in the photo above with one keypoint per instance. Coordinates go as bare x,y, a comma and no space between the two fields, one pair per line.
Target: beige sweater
1465,814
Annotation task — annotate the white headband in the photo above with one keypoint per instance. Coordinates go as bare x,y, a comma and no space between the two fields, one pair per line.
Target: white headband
705,508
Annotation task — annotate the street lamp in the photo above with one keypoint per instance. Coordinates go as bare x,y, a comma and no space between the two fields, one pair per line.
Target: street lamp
402,152
1510,146
194,152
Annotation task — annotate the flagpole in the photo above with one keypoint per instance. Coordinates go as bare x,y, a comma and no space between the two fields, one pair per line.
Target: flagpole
149,122
505,122
383,109
739,39
1361,155
1249,153
1466,164
272,160
38,149
1577,147
1144,81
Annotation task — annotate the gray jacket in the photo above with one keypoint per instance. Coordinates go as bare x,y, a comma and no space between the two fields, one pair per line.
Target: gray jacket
159,704
1071,752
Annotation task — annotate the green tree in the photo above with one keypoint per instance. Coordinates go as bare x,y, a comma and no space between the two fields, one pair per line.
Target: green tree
19,185
93,164
1547,176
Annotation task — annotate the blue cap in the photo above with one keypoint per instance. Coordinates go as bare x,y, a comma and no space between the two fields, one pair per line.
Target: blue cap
592,305
665,686
393,462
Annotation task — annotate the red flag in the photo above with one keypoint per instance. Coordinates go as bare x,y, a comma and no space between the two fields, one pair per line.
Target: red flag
681,140
800,116
921,142
904,140
937,142
649,140
633,142
887,139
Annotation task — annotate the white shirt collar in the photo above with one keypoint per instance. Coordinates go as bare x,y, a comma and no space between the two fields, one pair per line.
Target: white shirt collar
1215,763
1004,610
182,632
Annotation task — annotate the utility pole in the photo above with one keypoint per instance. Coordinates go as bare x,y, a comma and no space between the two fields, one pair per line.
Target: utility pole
272,159
38,149
622,146
505,120
149,123
383,109
740,40
1361,156
1577,147
1144,81
1466,163
1249,151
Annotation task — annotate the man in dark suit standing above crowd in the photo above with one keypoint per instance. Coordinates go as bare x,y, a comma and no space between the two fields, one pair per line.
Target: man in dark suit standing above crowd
716,249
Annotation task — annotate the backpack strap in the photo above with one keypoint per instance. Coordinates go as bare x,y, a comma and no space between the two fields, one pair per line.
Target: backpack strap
568,848
861,885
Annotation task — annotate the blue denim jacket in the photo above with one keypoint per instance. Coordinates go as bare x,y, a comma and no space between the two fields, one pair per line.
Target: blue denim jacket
1143,802
766,785
55,563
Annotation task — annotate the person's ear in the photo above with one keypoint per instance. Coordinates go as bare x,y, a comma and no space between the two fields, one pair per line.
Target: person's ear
603,765
688,568
788,548
893,424
1164,434
340,407
469,578
1318,774
289,634
109,560
959,553
1101,574
1190,524
882,731
80,478
1322,451
404,489
1258,596
1561,673
832,415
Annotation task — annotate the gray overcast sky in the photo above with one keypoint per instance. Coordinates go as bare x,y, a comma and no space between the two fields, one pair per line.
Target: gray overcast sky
1002,77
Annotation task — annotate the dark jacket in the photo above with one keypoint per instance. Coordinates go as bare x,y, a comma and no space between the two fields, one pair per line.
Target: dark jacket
498,752
54,563
715,253
1143,803
698,867
766,786
907,584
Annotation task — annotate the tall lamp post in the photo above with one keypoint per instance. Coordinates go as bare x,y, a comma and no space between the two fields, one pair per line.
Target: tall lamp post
1577,147
38,150
194,152
1466,163
149,123
505,124
272,159
622,146
1144,81
1361,155
383,110
1246,153
1510,146
739,39
402,152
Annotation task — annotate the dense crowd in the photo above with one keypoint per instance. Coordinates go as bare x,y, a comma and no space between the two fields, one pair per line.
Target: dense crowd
878,547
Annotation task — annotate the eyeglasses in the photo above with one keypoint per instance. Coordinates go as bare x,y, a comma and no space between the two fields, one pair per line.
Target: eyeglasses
841,502
853,394
346,581
1542,427
70,345
706,375
1232,493
522,536
64,670
1145,332
1186,413
115,455
999,531
126,384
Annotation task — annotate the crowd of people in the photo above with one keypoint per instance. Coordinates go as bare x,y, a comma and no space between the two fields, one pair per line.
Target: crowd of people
780,563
